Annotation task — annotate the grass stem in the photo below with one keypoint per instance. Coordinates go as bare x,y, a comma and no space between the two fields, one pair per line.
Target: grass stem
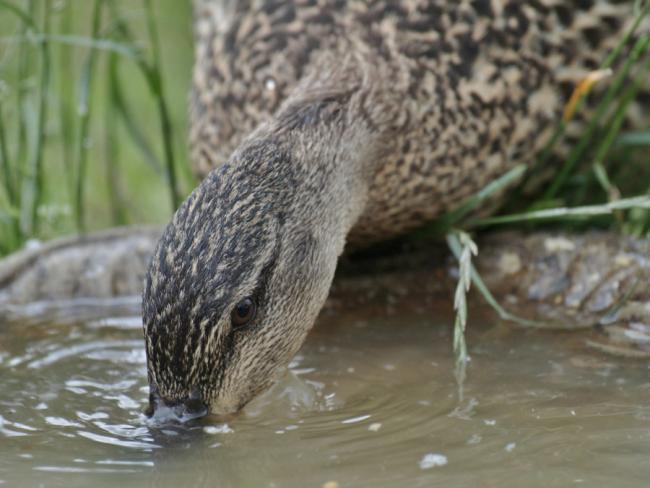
33,192
85,111
579,149
156,86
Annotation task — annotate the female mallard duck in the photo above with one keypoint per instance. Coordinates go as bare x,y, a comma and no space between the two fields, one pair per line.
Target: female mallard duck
347,122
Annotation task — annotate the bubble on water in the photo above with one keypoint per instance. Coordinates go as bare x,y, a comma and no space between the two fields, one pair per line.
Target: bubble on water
218,429
510,446
355,420
475,439
432,460
374,427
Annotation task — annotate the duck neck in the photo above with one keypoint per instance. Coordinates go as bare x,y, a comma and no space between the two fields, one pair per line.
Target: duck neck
332,151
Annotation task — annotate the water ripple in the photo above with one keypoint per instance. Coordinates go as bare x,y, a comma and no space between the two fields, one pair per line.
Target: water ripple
116,441
384,414
78,349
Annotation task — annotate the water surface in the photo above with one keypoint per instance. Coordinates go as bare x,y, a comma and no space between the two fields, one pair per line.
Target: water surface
366,403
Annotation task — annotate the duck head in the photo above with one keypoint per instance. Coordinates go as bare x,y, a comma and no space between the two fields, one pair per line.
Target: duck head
235,283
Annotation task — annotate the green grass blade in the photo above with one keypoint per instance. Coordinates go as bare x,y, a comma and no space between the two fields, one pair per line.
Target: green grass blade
545,155
11,217
85,109
465,247
585,211
8,178
24,64
577,152
67,101
156,86
98,44
613,129
490,189
153,75
479,284
33,193
631,139
119,211
133,129
641,11
23,15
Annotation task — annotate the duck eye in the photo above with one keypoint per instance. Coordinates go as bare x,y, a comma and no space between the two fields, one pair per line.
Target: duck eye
243,312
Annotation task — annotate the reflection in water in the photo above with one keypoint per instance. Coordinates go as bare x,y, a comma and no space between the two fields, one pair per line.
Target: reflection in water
364,404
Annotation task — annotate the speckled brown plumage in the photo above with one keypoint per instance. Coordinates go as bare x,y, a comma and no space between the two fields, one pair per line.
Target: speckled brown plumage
331,122
463,90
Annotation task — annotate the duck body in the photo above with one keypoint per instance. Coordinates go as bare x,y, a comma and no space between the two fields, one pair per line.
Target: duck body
321,123
454,93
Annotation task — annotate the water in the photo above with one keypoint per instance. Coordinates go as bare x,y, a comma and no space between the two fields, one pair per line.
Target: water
367,403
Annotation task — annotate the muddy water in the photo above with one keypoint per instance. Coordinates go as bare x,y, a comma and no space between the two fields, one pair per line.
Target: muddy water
366,403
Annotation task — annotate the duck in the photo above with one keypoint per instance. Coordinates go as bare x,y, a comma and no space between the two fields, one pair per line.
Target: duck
323,125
